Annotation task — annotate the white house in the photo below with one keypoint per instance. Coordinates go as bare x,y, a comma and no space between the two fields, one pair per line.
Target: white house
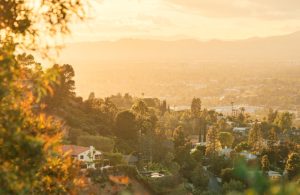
248,156
87,155
225,152
273,175
242,130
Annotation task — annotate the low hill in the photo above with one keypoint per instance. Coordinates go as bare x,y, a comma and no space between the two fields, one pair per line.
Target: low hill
276,48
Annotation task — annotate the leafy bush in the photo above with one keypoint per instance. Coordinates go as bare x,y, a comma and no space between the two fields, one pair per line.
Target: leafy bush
233,186
101,143
164,184
114,158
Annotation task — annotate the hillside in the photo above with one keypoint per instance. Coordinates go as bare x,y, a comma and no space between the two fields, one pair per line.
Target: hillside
277,48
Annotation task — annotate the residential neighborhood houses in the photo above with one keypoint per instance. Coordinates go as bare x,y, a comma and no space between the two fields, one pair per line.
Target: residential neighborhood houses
242,130
86,155
231,140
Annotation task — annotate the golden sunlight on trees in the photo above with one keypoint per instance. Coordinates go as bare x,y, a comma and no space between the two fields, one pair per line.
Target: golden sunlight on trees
34,24
30,158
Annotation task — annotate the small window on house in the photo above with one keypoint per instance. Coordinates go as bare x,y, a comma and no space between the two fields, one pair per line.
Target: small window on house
81,157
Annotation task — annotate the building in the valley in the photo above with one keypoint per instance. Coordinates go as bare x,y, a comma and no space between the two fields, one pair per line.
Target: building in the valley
86,155
294,132
242,130
273,175
225,152
248,156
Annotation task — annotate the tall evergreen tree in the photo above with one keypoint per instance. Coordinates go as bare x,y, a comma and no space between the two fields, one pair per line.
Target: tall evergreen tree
163,107
272,115
273,138
265,164
179,137
226,139
196,107
255,139
146,122
125,126
293,165
213,145
195,115
284,121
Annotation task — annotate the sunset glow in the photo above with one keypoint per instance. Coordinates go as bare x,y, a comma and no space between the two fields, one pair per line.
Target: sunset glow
181,19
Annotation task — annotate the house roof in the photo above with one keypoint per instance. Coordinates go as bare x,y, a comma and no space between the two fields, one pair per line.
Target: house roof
75,150
240,128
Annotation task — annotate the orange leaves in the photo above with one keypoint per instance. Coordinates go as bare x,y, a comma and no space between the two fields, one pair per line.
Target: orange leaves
29,159
119,179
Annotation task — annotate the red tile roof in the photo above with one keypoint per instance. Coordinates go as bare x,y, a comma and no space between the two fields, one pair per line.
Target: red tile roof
75,150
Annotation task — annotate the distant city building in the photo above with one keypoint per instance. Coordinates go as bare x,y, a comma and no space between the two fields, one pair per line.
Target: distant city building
225,152
248,156
273,175
242,130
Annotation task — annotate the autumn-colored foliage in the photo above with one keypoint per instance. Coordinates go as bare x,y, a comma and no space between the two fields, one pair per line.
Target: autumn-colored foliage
30,160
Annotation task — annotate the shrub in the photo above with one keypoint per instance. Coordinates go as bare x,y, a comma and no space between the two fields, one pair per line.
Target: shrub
233,186
114,158
101,143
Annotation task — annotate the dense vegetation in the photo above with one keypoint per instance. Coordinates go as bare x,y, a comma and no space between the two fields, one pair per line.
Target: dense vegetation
39,111
218,83
30,158
161,139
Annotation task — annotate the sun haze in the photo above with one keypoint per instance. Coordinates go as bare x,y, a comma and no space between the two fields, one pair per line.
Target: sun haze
181,19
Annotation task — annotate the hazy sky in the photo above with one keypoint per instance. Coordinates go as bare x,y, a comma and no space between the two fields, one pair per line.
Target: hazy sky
178,19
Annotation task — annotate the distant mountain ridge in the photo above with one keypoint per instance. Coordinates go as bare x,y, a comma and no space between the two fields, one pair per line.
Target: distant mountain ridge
275,48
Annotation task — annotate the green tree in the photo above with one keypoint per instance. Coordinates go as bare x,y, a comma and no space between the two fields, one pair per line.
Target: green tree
195,115
242,146
63,90
109,109
30,159
241,119
226,139
146,123
199,177
125,126
185,160
145,117
272,115
233,186
227,174
29,153
273,138
196,107
179,137
101,143
284,121
203,128
222,125
91,96
140,108
255,139
293,165
265,164
22,20
213,145
163,107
